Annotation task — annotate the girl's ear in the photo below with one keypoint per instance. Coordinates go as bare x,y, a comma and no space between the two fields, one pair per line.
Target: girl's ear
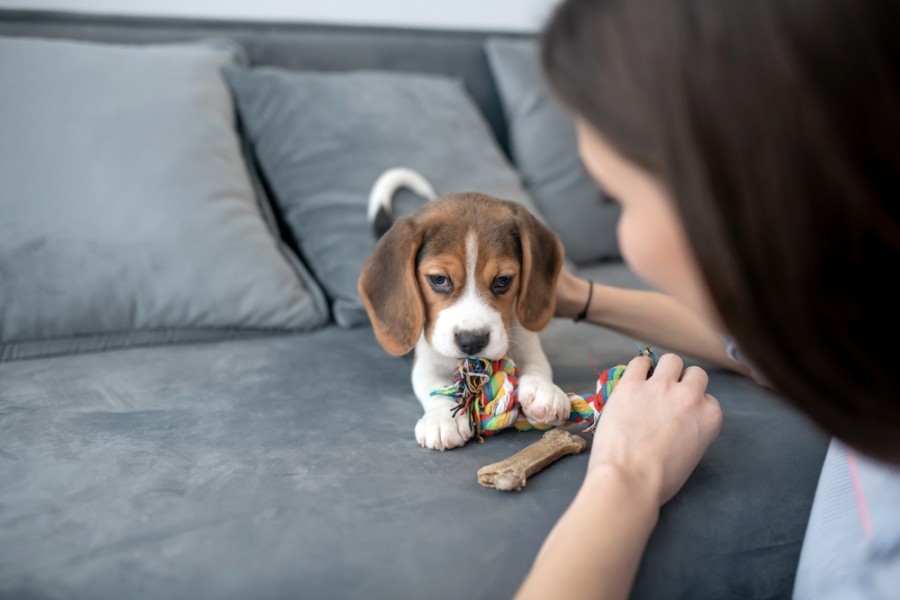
390,291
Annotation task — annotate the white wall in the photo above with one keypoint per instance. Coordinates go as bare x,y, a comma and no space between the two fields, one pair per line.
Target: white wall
494,15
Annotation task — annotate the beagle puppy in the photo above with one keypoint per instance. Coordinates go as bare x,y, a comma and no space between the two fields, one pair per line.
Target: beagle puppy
466,274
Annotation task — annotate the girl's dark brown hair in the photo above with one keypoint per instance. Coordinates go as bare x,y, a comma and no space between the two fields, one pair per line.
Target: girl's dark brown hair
775,127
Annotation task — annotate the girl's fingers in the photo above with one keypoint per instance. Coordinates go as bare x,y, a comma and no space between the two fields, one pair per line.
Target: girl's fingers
714,416
637,369
695,376
669,367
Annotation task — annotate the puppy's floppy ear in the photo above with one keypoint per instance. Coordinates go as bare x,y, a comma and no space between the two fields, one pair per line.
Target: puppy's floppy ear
390,291
542,258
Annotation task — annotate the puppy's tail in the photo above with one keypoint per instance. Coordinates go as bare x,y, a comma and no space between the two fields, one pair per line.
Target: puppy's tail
380,214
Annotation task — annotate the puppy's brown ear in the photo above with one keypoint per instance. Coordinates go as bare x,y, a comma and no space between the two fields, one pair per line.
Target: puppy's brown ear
542,258
389,290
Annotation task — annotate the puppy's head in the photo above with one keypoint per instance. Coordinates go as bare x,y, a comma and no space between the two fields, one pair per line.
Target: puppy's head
459,269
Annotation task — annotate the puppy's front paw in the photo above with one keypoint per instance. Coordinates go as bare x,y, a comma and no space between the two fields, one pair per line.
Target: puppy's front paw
440,430
542,401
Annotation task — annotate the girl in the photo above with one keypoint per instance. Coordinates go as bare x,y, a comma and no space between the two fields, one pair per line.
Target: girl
755,150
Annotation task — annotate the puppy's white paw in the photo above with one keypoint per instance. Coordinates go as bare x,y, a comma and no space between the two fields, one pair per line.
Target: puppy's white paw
440,430
542,401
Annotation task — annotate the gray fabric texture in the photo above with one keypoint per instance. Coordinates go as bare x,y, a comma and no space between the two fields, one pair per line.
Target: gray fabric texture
295,46
322,140
287,468
545,149
127,210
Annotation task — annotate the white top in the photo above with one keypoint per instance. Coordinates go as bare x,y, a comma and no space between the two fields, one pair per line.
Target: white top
852,544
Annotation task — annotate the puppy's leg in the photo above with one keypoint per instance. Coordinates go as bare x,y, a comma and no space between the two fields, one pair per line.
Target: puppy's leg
438,429
541,400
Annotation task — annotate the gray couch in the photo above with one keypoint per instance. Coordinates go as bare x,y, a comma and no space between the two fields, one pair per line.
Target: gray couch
284,465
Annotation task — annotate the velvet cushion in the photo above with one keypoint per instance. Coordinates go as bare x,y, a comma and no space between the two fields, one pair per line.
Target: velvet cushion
128,214
545,149
322,140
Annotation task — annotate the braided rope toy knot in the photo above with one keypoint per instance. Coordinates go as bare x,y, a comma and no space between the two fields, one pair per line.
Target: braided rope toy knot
487,391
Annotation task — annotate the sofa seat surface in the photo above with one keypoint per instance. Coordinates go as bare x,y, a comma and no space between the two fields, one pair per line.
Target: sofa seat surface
286,467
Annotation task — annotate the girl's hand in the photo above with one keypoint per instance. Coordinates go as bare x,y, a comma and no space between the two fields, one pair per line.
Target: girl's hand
654,431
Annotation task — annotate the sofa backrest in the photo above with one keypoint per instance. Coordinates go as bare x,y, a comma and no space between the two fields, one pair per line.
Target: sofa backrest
295,46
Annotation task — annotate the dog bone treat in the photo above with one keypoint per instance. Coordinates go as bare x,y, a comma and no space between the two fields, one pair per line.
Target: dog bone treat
512,473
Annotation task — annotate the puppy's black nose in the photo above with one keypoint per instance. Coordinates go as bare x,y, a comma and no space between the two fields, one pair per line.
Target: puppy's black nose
472,342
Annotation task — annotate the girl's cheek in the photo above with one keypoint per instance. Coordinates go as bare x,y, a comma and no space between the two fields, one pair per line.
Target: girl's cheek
655,248
641,249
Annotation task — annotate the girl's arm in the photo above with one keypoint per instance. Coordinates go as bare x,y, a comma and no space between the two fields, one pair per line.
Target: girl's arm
649,439
651,317
603,532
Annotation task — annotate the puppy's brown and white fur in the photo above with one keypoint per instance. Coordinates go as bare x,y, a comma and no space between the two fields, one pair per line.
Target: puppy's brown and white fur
466,274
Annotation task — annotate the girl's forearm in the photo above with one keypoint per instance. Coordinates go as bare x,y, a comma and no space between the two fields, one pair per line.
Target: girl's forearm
651,317
596,547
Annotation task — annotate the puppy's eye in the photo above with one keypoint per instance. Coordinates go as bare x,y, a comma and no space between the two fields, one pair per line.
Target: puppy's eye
440,283
501,284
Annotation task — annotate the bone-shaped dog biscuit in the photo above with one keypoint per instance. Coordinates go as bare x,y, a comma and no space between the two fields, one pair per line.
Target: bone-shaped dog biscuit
512,473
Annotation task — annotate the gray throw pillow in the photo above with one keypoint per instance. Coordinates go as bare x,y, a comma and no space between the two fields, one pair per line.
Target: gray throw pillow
544,146
322,139
127,215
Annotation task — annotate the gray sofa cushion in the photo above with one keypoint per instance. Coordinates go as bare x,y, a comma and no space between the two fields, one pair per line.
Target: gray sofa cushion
544,147
295,45
127,213
322,139
287,467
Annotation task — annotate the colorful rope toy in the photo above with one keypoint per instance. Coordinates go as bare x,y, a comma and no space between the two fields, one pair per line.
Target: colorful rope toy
488,392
